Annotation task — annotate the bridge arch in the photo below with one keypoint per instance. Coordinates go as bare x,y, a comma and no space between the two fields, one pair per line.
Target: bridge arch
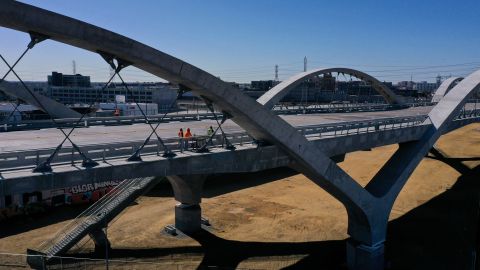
274,95
258,121
445,87
366,208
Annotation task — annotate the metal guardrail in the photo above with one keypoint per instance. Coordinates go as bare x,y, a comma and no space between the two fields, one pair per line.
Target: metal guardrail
106,121
184,117
338,108
96,214
102,152
19,261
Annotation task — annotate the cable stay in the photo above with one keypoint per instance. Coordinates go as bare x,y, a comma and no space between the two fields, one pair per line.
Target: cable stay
225,117
45,166
121,64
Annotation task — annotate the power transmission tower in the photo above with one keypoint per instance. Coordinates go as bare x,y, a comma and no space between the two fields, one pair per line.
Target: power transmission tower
276,73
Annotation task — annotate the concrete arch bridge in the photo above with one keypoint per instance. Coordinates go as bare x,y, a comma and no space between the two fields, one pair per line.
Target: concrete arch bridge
312,149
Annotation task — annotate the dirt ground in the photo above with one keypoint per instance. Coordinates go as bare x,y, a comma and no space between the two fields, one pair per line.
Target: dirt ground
280,219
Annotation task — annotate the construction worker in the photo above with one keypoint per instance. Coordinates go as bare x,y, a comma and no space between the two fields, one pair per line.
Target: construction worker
210,132
180,139
188,135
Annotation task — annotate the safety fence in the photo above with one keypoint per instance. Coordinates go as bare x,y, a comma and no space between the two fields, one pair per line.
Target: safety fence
19,261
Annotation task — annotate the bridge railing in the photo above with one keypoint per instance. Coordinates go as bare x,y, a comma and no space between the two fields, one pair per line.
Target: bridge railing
106,121
184,117
104,152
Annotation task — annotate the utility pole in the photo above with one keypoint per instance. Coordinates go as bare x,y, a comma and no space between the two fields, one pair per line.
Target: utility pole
305,64
276,73
106,246
74,67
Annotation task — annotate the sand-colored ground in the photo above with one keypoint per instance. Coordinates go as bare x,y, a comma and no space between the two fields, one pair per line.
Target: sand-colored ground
277,219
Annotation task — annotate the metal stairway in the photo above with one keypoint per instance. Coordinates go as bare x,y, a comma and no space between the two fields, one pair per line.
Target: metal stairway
93,218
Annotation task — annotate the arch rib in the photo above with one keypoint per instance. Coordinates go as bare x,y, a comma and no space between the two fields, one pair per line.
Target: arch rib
259,122
365,210
274,95
444,88
389,181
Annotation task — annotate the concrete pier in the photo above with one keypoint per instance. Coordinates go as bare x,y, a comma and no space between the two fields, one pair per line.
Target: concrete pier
360,256
188,217
187,190
100,240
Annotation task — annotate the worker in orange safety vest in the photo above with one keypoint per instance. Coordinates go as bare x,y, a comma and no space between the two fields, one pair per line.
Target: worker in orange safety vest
187,136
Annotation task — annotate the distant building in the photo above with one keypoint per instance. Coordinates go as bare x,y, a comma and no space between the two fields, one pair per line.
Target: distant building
415,89
425,87
262,85
78,89
77,80
405,85
320,89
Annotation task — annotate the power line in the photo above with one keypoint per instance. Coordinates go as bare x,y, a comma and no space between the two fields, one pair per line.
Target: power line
391,66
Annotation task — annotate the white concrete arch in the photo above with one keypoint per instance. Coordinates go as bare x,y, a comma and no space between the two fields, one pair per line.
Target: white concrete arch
258,121
443,89
392,177
274,95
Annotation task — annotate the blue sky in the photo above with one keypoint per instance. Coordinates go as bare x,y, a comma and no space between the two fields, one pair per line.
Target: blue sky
243,40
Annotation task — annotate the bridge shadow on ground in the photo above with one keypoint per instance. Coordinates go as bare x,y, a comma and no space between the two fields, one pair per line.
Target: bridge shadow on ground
25,223
216,185
219,253
229,254
440,234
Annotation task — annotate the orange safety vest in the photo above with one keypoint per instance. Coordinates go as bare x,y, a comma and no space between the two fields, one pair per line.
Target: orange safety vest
188,134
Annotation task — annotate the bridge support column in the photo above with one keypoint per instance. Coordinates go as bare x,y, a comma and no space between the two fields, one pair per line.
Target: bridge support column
367,253
187,190
188,217
100,239
362,256
368,230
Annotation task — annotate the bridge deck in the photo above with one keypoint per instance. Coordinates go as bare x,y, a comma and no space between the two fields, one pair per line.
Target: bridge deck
49,138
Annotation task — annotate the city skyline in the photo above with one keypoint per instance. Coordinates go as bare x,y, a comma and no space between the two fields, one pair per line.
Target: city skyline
244,41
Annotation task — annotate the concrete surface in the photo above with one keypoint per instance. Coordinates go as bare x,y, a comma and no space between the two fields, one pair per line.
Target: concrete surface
49,138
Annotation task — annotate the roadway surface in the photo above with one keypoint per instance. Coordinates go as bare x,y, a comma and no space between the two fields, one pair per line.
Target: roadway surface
50,138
